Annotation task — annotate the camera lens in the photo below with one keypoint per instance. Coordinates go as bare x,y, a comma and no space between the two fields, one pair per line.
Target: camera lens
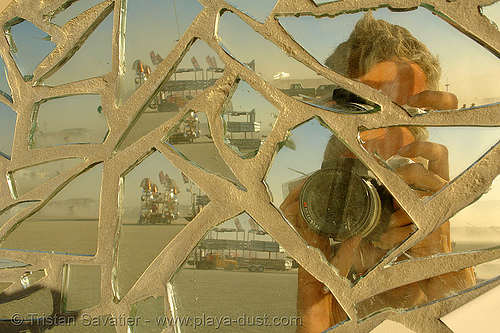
339,204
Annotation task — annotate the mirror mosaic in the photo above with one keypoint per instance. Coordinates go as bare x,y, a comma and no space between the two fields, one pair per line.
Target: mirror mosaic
282,71
96,223
67,120
92,59
158,202
234,277
464,68
67,224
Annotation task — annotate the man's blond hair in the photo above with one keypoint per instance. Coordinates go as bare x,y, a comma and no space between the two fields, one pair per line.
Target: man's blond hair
373,41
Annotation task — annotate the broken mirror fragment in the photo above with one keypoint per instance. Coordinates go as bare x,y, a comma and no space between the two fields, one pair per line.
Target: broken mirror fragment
327,194
150,316
9,263
420,293
391,326
81,287
248,119
158,202
91,324
492,12
38,304
93,59
487,271
451,61
191,138
10,211
285,73
237,255
68,120
29,278
67,224
4,84
7,126
64,13
258,10
477,226
153,29
28,45
458,149
188,79
322,2
24,180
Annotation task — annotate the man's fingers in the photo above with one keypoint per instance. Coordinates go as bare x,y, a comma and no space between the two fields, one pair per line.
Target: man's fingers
436,153
398,219
291,198
346,254
397,235
418,177
435,100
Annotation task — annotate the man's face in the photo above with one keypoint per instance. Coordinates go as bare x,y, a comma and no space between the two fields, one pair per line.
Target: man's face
399,80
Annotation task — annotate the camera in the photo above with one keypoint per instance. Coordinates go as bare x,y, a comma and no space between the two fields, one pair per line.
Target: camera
344,199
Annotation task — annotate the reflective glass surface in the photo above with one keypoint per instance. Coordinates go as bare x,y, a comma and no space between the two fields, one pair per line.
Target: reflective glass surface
259,9
330,196
91,60
477,226
28,45
39,303
81,287
13,210
66,224
158,202
150,314
191,139
189,79
466,69
9,263
492,12
410,296
234,280
24,180
153,29
248,118
282,71
29,278
7,126
75,8
73,119
4,85
458,148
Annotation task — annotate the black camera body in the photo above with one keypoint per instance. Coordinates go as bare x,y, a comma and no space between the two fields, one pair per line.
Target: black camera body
344,199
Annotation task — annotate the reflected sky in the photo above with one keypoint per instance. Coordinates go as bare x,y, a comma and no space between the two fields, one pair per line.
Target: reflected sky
7,127
310,140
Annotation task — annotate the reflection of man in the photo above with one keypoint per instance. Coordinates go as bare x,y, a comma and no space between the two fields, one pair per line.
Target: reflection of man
388,58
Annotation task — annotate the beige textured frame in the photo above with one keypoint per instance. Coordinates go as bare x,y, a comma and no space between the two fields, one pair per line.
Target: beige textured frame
227,200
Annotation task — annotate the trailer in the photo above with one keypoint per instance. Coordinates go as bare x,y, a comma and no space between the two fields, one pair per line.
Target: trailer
243,254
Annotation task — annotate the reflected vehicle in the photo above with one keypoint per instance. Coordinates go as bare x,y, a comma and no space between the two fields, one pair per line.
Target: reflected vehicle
157,207
325,89
296,89
187,131
254,255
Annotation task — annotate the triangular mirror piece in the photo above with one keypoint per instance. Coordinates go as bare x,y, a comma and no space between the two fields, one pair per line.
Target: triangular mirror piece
67,224
158,202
